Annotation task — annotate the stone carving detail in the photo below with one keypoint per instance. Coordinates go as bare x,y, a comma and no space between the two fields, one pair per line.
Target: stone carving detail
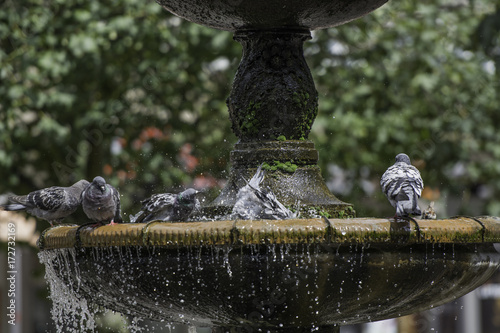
273,92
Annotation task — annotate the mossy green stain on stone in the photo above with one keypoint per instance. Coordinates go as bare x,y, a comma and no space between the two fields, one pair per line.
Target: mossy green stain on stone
249,123
287,166
302,100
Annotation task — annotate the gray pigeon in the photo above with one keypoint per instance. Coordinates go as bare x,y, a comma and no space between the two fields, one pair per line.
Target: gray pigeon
254,203
101,202
52,204
429,213
402,185
168,207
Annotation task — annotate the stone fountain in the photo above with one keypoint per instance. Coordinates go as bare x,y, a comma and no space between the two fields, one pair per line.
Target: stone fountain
271,276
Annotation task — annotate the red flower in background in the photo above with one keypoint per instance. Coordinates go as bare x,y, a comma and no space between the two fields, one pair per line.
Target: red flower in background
202,181
189,161
147,134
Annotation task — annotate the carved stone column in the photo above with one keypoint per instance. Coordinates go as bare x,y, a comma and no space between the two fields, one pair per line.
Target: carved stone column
273,93
272,106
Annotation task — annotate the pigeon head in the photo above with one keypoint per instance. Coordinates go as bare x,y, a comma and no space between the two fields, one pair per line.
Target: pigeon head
187,197
99,183
403,158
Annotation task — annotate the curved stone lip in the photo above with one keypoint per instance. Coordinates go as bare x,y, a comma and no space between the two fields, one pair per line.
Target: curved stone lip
301,152
233,15
457,230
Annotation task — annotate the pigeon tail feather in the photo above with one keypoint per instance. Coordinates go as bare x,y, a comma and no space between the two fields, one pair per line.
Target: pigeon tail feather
13,207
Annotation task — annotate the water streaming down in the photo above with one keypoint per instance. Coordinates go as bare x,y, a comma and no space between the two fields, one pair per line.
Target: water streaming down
69,311
276,286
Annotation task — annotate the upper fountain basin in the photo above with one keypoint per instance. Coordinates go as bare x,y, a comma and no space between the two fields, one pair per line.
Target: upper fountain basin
235,15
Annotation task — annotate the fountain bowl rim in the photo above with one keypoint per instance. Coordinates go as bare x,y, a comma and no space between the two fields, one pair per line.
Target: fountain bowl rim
457,230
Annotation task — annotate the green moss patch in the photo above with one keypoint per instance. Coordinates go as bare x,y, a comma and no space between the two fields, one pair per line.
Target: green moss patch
249,124
277,165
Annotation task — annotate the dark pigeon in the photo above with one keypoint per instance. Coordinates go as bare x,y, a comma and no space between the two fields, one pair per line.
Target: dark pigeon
168,207
101,202
52,204
402,185
253,203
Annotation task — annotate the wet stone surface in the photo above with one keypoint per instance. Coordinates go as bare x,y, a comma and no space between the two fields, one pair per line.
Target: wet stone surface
276,286
292,175
264,14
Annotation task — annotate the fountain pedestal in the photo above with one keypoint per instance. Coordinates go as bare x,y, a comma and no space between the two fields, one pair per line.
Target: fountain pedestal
273,94
272,106
293,175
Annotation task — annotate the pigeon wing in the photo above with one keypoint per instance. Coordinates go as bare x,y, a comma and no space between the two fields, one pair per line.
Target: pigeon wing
158,206
116,199
275,209
48,199
415,180
158,202
392,181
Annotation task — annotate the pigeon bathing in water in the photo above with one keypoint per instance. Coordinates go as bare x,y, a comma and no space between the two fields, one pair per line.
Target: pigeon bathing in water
168,207
402,185
101,202
254,203
52,204
429,213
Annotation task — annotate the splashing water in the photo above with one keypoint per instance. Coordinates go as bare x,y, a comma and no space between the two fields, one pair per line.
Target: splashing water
70,312
236,285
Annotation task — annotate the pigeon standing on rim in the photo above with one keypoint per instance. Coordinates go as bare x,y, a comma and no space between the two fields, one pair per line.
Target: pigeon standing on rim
402,185
52,203
253,203
168,207
101,202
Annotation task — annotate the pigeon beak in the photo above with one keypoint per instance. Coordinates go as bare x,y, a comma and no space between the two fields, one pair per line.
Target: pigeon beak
103,188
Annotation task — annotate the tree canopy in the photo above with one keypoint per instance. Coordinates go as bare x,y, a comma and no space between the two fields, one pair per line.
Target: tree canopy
126,90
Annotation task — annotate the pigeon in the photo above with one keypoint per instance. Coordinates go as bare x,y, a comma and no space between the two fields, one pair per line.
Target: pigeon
253,203
429,213
52,203
168,207
402,185
101,202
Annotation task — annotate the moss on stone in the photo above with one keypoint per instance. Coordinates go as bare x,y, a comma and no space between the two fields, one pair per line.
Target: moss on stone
302,100
280,166
249,123
328,212
346,213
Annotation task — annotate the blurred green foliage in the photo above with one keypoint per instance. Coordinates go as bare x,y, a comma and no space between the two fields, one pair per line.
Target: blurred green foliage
412,77
126,90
